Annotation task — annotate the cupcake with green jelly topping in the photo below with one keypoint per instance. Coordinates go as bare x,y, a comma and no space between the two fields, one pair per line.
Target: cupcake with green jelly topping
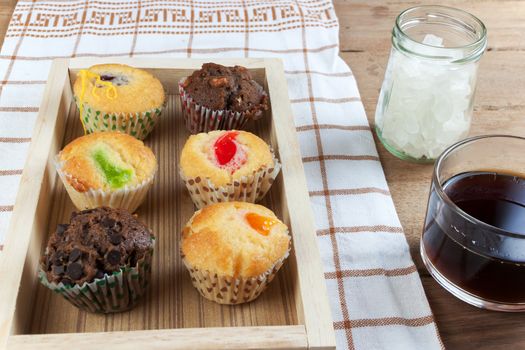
107,169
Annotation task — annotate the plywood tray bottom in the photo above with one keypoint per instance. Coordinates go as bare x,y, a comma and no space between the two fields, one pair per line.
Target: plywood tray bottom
171,301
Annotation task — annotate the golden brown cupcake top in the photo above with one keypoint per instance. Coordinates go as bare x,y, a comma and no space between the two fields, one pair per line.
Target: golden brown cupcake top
224,156
106,161
234,239
135,90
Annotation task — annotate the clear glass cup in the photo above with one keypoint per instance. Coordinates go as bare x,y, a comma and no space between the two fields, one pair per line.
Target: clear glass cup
426,99
480,264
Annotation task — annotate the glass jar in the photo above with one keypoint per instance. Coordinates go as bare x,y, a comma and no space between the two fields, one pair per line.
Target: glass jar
426,99
473,240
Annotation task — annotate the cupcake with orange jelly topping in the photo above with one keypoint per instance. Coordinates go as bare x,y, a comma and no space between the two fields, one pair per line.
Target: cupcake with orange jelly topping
222,166
116,97
233,250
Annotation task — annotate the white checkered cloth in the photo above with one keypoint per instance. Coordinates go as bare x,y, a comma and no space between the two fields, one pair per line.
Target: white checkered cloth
376,296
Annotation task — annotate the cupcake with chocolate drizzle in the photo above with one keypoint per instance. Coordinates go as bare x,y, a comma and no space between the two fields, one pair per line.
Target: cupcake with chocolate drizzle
117,97
100,261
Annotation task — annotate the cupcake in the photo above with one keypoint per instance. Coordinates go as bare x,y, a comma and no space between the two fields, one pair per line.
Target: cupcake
233,250
100,261
106,169
220,98
116,97
222,166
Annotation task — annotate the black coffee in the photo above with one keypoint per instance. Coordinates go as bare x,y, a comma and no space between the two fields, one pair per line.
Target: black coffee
497,273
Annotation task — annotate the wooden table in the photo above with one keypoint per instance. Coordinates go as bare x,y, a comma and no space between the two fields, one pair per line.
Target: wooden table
500,108
365,31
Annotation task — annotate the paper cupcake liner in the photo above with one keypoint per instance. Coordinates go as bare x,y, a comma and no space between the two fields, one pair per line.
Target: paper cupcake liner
230,290
117,292
138,124
203,119
250,188
129,197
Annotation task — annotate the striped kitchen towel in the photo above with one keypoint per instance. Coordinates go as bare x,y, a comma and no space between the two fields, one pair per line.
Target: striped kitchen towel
376,296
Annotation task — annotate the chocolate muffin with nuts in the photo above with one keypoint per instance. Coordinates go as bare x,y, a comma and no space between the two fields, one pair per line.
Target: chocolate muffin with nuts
96,248
217,97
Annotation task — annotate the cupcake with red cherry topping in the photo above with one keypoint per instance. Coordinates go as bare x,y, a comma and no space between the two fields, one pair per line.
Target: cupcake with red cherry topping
216,97
223,166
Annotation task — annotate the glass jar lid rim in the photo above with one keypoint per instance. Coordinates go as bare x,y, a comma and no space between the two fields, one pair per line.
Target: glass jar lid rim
481,41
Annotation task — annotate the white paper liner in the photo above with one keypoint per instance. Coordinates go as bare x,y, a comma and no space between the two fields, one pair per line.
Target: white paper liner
138,124
202,119
117,292
128,197
230,290
250,188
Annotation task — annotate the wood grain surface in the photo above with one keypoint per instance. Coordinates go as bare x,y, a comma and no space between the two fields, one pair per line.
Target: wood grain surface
499,108
365,32
297,297
172,301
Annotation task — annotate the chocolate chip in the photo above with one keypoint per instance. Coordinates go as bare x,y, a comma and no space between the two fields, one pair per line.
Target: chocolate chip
107,77
113,257
75,255
101,249
115,238
58,258
74,270
85,235
133,259
48,263
117,227
66,281
58,270
108,222
99,274
100,265
61,228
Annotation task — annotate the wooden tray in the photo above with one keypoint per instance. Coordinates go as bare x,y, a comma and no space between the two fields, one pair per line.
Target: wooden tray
293,313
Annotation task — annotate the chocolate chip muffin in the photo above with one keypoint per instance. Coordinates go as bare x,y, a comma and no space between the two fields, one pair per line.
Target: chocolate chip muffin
96,242
219,97
100,261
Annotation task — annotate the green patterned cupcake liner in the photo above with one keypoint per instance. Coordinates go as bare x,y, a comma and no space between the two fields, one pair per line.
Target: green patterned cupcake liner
117,292
138,124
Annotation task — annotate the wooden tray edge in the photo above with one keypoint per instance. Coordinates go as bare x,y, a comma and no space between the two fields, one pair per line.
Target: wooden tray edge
314,310
274,337
25,219
314,295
